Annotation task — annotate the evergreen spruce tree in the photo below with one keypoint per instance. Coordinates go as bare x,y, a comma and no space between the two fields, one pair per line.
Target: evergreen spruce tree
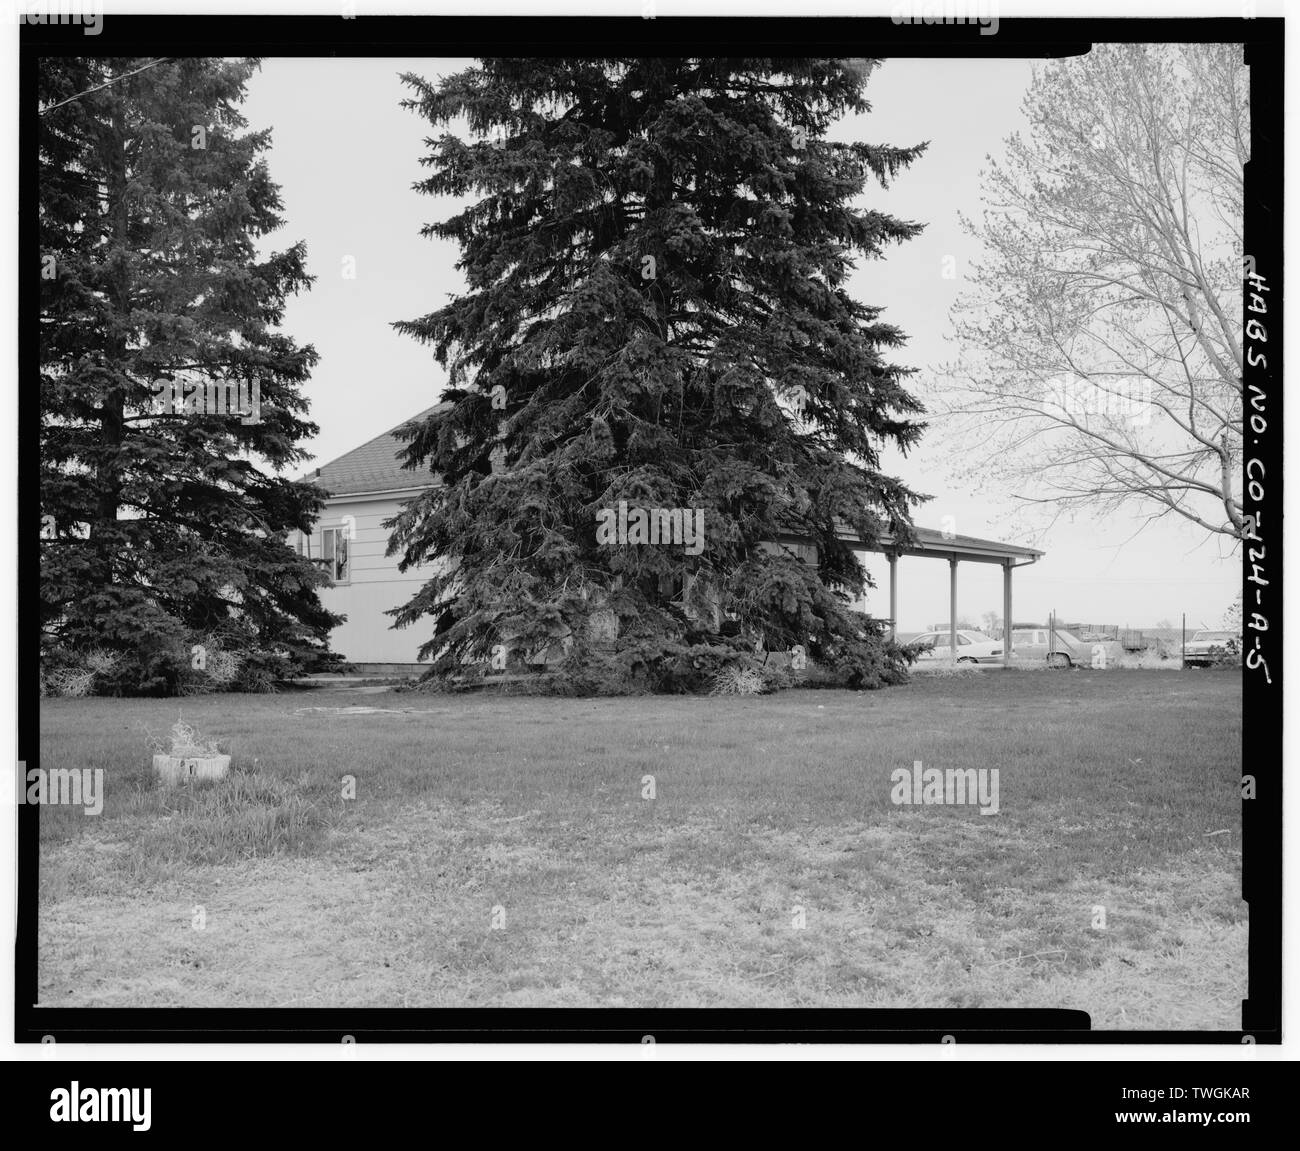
165,530
656,253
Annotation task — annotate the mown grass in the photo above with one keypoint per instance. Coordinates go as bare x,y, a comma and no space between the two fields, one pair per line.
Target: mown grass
1110,787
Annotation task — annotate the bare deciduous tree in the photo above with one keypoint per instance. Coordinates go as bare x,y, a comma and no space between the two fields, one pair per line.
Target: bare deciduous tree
1101,346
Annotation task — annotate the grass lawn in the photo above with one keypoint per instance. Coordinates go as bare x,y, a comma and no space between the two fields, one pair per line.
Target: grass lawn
1118,790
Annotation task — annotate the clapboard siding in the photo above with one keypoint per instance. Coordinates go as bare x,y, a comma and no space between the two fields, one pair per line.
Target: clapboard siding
375,586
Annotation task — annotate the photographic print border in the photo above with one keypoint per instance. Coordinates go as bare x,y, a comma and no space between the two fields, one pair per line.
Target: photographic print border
269,36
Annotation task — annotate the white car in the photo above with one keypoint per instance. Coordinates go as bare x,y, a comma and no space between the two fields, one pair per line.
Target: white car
972,647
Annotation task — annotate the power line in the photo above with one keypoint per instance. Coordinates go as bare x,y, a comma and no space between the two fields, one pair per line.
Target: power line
106,83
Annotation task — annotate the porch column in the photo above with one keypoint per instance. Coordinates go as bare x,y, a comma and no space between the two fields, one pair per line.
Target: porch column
893,597
1006,613
952,606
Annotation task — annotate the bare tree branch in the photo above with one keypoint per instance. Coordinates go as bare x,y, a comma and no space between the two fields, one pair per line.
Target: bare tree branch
1101,344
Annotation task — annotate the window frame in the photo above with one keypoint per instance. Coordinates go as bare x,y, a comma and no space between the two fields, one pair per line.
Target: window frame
330,554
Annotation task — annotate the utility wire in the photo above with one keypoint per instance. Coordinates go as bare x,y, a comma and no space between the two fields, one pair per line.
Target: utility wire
106,83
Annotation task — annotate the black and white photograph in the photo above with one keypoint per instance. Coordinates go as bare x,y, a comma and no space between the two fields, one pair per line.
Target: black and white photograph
533,529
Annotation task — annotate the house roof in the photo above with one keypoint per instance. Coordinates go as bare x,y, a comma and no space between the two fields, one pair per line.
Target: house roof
374,466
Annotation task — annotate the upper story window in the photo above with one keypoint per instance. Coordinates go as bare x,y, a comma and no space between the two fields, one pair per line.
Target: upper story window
336,554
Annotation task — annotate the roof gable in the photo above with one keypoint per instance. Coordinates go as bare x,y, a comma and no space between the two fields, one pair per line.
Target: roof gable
374,466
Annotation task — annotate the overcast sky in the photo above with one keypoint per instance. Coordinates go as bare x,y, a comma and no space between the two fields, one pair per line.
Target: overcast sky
346,155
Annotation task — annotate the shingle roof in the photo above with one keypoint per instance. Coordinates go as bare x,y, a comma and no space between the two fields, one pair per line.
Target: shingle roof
374,466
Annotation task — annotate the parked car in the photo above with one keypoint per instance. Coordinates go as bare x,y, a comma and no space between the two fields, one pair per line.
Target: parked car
972,647
1068,651
1207,648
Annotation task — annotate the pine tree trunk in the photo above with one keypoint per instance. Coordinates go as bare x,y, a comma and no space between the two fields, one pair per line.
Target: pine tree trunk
108,482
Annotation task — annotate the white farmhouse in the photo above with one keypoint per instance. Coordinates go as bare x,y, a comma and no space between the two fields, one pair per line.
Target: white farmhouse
368,485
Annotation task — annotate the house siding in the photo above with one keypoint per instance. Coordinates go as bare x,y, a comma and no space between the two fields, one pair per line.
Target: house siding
375,585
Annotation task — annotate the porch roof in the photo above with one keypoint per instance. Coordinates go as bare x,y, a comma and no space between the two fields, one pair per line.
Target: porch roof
938,545
933,544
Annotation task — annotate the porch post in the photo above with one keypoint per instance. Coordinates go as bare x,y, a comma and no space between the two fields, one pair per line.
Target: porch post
952,606
1006,613
893,597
